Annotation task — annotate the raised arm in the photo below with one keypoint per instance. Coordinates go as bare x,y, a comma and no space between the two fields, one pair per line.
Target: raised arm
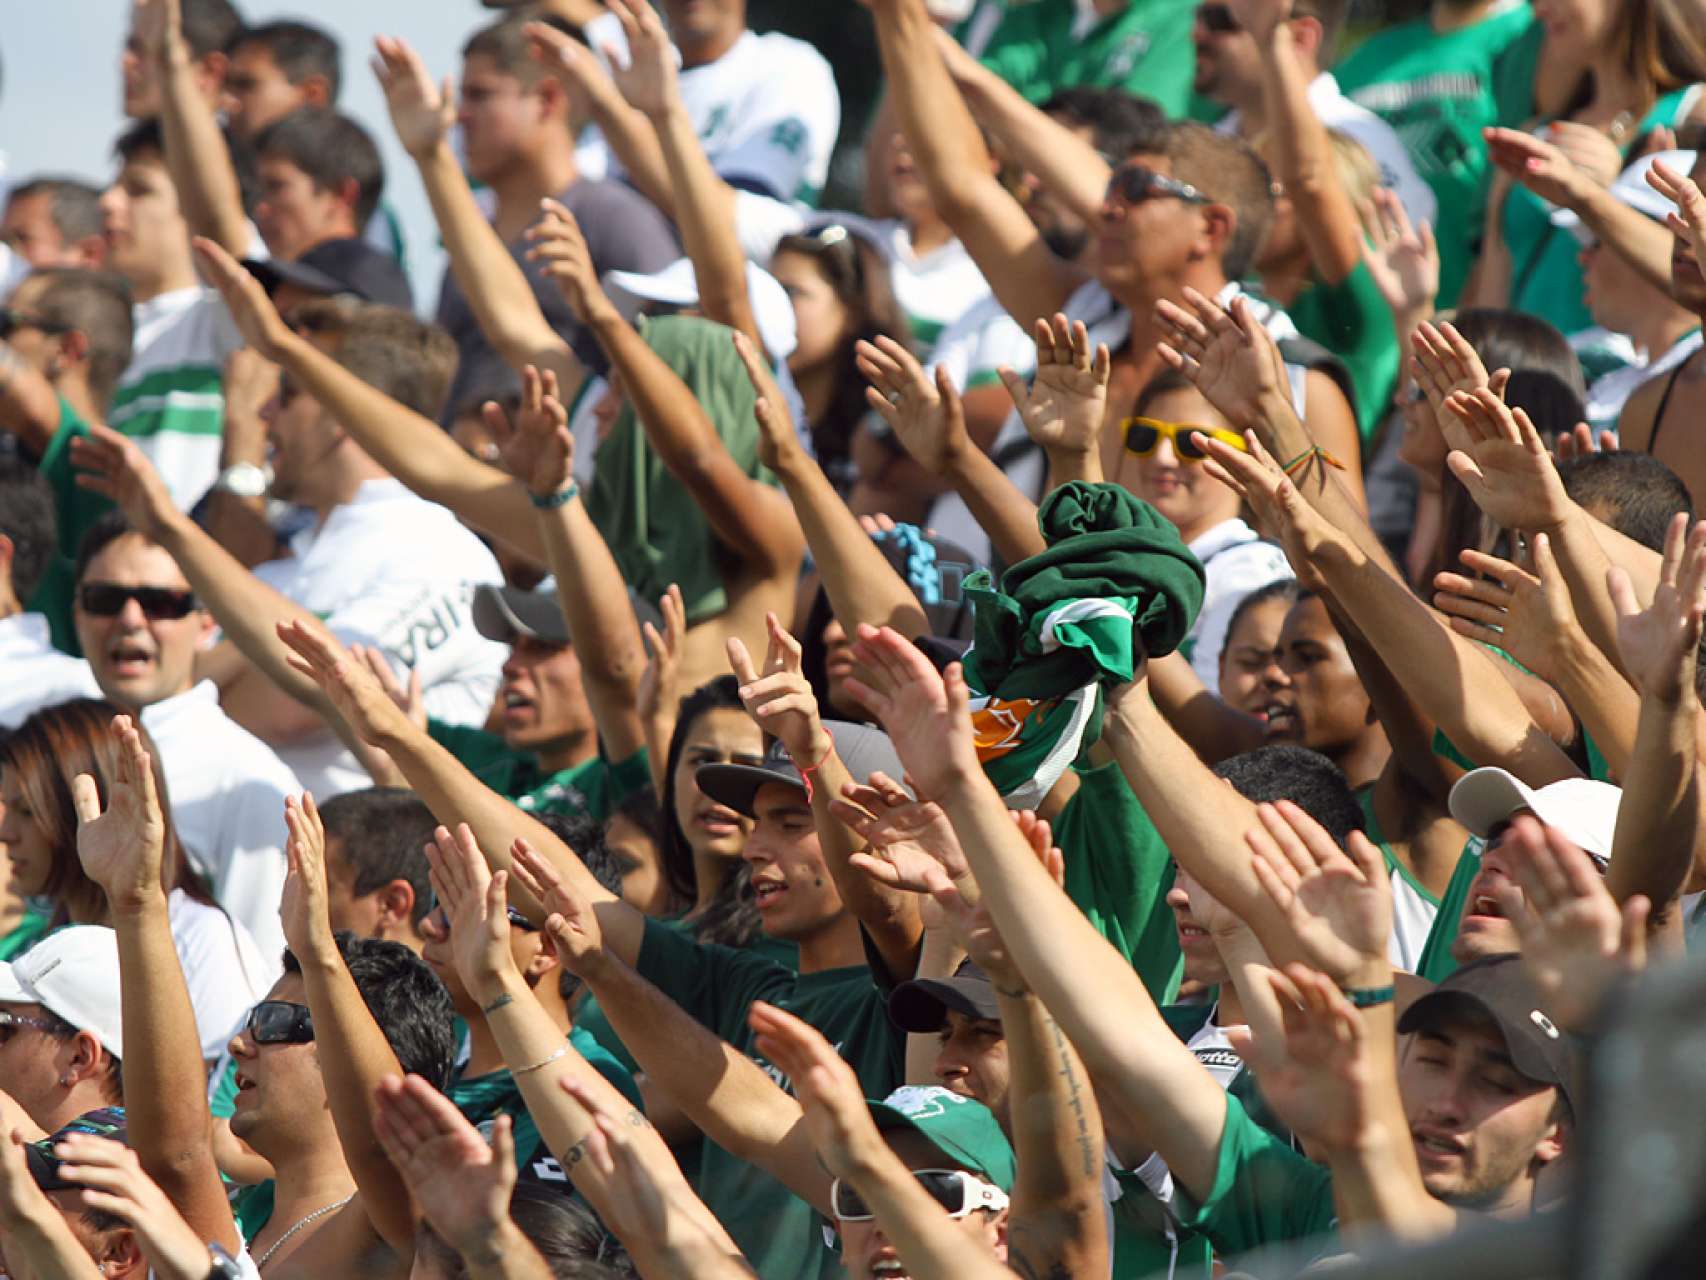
115,1183
353,1052
197,156
1064,406
538,449
1098,999
749,517
121,850
35,1238
1026,276
509,315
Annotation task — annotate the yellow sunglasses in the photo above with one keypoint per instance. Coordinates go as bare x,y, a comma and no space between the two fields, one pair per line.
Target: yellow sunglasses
1143,435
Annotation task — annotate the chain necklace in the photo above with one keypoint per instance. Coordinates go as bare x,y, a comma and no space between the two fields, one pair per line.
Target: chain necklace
297,1226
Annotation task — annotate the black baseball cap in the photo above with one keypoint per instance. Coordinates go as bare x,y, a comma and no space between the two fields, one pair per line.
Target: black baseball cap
1499,988
922,1005
334,267
863,750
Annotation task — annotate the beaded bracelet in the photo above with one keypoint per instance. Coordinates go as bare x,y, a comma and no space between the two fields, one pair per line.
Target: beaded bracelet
551,501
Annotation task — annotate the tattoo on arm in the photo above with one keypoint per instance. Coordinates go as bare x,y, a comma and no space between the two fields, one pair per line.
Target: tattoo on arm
500,1002
1075,1100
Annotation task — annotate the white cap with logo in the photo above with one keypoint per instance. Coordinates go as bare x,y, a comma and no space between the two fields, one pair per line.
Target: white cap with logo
1581,809
72,973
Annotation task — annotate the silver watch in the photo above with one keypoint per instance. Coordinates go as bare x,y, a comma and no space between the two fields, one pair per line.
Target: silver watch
244,480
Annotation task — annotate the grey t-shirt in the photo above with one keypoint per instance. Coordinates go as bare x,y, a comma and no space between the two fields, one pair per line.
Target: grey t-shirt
624,232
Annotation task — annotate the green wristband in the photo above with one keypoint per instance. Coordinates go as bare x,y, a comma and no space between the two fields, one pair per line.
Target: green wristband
1368,997
551,501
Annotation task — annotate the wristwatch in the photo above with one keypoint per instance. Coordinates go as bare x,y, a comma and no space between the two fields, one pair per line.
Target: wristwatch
244,480
224,1265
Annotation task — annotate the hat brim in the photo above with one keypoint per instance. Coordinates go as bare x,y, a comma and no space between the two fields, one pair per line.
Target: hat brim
1440,1005
12,991
504,614
272,273
922,1005
736,785
1483,798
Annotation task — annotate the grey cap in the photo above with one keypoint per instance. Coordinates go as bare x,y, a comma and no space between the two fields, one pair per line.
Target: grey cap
506,614
922,1004
863,750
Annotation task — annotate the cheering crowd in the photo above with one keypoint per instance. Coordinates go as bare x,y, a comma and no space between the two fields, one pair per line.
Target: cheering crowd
1128,706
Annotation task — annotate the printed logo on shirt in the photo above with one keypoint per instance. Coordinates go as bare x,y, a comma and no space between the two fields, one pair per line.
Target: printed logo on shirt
546,1169
429,626
789,136
1126,55
1219,1059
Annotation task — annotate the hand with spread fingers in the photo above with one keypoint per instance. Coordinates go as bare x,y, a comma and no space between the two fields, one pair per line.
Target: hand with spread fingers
474,902
1402,258
1281,512
1527,612
970,923
1336,903
780,697
926,714
926,413
649,80
1582,441
1067,401
1226,353
537,448
422,113
122,848
305,907
252,309
572,923
909,839
369,710
1660,643
1504,464
1688,220
1576,943
114,466
1442,362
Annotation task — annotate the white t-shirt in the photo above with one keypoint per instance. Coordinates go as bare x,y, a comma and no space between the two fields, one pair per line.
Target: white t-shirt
1213,1049
1235,562
170,397
393,571
36,674
1608,394
1378,138
223,968
227,789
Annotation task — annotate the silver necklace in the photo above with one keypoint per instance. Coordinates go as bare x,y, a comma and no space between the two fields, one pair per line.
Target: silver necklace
297,1226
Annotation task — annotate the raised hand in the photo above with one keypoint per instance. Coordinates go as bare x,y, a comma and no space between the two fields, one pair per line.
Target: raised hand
660,692
1504,464
1337,904
114,466
560,53
474,901
642,1207
1576,943
1281,511
557,243
25,1211
305,907
926,714
461,1182
1261,18
1527,614
1227,355
1443,362
969,922
408,698
837,1118
1543,168
648,82
1659,644
927,415
1688,222
113,1182
252,311
369,710
1066,404
1402,259
780,698
538,448
777,438
422,112
572,923
158,26
909,839
121,849
1581,441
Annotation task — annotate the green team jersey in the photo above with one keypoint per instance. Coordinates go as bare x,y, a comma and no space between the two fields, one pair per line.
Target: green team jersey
1351,319
1118,873
1148,1240
1438,91
780,1234
75,511
593,787
31,926
1145,48
1437,963
1264,1193
483,1098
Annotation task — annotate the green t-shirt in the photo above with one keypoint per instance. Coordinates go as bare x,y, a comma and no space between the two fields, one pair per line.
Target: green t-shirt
1351,319
1145,49
1264,1193
593,787
75,511
1437,963
1118,873
1148,1240
483,1098
31,926
781,1235
1438,91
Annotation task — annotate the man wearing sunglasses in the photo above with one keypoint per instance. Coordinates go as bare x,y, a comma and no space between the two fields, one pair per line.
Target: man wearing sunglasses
61,1029
141,628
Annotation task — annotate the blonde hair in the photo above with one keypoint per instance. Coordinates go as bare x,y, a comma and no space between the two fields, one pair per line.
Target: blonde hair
1358,172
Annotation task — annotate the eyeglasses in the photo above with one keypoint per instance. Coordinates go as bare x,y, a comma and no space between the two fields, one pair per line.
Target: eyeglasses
441,917
280,1022
1218,18
955,1190
107,600
11,320
1144,435
10,1022
1135,183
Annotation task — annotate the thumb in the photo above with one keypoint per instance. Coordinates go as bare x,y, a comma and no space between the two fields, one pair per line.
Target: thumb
85,798
1633,940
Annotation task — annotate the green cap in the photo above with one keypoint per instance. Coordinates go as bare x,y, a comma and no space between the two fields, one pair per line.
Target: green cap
962,1129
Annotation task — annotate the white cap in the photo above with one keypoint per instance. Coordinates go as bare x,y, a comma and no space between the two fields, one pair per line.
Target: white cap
73,973
1581,809
677,286
1633,189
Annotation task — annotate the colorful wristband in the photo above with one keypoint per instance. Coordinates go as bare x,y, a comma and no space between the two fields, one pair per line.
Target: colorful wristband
1313,451
551,501
1369,997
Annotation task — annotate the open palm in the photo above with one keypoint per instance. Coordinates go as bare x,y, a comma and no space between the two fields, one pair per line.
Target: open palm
121,848
1066,403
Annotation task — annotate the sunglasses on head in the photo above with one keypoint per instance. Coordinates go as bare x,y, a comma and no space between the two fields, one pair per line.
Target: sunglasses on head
107,600
1135,183
955,1190
1218,18
1143,436
280,1022
11,320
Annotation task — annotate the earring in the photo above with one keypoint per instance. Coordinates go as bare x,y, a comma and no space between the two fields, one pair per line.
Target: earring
64,1082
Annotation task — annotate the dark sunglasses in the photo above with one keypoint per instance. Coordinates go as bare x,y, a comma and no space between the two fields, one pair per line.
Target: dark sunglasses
955,1190
280,1022
441,917
1218,18
1144,435
10,1022
11,320
107,600
1133,183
